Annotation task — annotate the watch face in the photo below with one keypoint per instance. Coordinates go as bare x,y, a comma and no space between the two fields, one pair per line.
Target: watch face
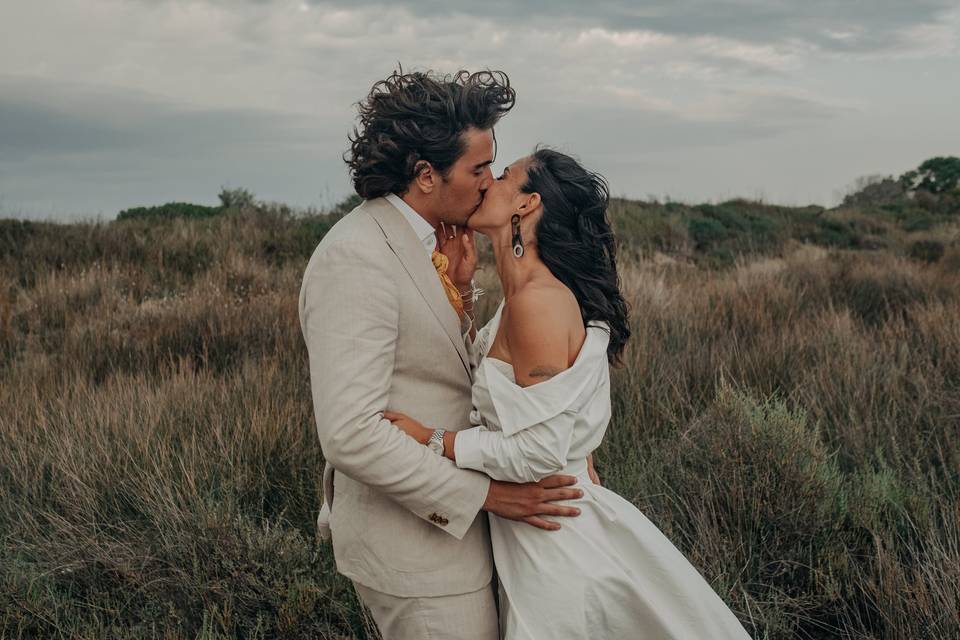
436,447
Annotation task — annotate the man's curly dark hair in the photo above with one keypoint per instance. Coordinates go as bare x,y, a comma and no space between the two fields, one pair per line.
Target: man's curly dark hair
420,116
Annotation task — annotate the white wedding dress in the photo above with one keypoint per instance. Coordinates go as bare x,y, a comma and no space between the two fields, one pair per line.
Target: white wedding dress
607,573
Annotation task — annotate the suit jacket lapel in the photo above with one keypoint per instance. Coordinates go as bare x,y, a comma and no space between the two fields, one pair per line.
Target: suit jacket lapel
406,245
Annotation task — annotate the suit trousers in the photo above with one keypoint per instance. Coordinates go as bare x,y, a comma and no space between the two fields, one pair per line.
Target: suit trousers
464,616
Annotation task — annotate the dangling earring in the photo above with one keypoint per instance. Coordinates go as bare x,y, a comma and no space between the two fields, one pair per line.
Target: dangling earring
517,240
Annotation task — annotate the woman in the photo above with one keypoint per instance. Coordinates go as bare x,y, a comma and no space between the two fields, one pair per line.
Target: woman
541,396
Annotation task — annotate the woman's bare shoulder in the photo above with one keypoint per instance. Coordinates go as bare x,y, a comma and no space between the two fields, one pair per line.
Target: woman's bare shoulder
539,328
541,304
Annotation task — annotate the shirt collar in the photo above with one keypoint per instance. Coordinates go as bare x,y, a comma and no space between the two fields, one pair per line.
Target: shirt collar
421,227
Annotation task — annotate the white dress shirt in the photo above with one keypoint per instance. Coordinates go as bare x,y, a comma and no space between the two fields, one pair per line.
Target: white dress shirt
421,227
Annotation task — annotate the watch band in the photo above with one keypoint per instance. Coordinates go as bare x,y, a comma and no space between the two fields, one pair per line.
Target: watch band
436,441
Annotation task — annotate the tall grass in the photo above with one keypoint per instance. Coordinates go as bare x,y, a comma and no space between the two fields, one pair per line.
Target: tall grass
791,422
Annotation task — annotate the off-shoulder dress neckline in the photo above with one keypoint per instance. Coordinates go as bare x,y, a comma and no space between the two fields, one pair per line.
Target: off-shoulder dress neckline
581,355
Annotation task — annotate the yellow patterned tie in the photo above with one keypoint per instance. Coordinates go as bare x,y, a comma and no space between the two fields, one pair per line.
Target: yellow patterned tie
440,263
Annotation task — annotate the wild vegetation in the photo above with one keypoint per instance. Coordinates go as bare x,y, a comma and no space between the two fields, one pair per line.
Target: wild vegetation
789,415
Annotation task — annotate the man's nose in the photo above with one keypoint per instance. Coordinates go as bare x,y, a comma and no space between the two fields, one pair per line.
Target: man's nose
486,182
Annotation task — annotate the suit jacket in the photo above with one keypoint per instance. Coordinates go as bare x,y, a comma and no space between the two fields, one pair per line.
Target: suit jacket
381,334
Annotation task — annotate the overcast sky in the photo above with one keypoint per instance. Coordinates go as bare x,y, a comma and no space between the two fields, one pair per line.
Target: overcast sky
108,104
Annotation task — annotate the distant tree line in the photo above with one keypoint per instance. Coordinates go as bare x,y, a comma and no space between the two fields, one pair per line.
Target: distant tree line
935,185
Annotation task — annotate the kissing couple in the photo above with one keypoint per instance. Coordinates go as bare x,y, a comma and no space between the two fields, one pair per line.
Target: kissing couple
459,490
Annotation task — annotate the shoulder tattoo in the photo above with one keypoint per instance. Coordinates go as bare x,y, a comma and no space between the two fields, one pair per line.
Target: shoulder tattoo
543,372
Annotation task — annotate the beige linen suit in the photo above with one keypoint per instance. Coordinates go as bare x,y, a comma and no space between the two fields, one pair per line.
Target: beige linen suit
381,334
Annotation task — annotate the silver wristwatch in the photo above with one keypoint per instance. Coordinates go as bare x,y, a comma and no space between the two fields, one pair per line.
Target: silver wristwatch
435,443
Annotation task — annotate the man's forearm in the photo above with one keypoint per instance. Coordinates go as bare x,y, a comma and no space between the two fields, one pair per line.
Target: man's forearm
449,437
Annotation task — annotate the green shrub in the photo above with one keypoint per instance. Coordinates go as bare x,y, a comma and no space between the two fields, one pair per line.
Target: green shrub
725,214
188,260
752,482
719,258
238,198
15,234
834,233
916,219
927,250
296,240
876,296
346,205
706,231
170,210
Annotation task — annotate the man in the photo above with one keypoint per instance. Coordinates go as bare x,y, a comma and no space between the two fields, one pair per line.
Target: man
406,523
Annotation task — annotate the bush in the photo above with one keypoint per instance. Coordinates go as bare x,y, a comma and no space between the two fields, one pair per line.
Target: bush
706,231
297,240
834,233
236,198
736,227
170,210
917,220
752,489
877,295
15,234
876,191
927,250
346,205
725,214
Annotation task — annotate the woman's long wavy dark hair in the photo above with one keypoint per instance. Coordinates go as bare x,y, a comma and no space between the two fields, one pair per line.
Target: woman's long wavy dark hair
416,116
575,240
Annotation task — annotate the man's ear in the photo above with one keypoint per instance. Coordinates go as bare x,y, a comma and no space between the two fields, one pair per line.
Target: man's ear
424,176
531,203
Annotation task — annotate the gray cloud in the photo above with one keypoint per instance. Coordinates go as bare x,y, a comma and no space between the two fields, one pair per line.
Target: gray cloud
31,128
27,130
111,104
858,26
97,150
733,118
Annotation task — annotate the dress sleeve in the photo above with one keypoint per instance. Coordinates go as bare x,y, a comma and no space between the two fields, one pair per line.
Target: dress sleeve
528,455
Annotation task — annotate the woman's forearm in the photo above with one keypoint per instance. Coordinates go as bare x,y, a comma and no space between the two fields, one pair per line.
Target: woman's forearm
527,455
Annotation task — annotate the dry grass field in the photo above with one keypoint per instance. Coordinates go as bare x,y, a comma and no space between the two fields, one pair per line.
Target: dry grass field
789,415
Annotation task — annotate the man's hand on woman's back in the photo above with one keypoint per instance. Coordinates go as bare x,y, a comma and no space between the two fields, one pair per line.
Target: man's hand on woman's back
530,501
